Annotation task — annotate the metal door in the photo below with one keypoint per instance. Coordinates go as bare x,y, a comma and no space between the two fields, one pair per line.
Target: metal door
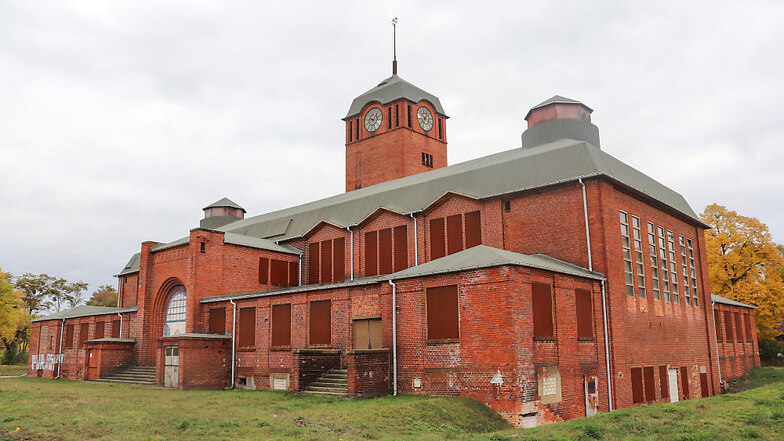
171,366
591,395
672,377
92,365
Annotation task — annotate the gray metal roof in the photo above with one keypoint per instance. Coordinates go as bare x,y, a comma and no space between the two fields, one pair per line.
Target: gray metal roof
236,239
480,256
225,202
726,301
556,99
490,176
84,311
132,266
391,89
114,340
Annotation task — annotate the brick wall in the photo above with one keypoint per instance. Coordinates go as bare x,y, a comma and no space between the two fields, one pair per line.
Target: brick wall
204,362
368,372
739,354
310,364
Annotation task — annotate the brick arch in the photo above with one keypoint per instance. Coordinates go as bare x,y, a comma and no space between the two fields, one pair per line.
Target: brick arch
161,303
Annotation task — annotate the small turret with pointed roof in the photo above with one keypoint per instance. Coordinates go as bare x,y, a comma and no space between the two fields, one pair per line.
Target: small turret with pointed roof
559,118
221,212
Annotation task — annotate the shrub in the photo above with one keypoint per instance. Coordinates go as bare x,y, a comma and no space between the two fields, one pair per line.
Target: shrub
769,352
12,356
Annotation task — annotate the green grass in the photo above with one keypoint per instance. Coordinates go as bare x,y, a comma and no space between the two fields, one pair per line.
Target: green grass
12,369
40,409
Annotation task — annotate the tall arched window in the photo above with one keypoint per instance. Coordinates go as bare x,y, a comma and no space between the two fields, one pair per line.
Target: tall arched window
176,312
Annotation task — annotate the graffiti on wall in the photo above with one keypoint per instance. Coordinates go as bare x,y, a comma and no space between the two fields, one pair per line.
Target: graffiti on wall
46,362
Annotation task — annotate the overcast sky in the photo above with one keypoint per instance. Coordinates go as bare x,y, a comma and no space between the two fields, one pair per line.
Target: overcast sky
120,121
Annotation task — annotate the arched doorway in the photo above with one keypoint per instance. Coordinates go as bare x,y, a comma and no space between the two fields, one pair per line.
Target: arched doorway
176,311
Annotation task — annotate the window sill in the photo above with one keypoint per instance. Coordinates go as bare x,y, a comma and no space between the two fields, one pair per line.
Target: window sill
246,349
325,346
544,339
281,348
442,342
586,339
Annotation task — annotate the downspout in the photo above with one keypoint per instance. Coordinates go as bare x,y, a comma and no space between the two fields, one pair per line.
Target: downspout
416,240
119,291
607,348
351,251
120,324
233,333
60,351
587,231
716,336
300,270
394,337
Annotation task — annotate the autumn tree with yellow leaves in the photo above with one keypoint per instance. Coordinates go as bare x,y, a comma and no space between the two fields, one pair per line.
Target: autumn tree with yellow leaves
746,266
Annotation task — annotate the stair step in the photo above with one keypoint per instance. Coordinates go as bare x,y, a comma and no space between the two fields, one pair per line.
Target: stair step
132,375
117,380
325,394
327,389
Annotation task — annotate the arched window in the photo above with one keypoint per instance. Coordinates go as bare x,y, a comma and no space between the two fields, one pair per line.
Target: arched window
176,312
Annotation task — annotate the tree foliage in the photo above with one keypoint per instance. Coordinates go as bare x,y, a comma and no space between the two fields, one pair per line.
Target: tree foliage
746,266
105,295
43,292
14,316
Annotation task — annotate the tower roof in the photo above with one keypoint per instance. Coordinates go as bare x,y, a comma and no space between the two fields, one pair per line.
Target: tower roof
556,99
225,202
391,89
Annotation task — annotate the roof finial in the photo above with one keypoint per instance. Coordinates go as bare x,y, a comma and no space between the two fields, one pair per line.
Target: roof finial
394,46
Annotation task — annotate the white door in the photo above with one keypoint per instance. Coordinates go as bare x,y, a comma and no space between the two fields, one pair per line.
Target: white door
591,395
171,366
672,377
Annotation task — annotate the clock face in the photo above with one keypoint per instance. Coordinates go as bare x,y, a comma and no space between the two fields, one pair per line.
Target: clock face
425,118
373,119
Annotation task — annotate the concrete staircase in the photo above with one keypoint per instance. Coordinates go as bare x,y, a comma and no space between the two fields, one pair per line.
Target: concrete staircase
332,384
131,374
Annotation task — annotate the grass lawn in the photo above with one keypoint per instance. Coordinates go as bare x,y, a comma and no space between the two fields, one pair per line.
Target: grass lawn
40,409
12,369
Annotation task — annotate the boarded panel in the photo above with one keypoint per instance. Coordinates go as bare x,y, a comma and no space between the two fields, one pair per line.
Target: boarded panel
374,331
747,325
99,330
454,234
704,384
582,300
637,395
541,296
279,272
361,334
442,314
717,320
339,260
473,229
263,270
728,326
313,261
437,238
371,254
321,323
326,261
69,336
247,328
650,384
685,382
664,384
293,273
115,329
84,330
738,328
217,323
401,248
281,325
385,251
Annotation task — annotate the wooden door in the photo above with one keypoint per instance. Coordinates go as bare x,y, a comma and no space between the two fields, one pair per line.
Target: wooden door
171,364
591,383
672,376
92,365
367,333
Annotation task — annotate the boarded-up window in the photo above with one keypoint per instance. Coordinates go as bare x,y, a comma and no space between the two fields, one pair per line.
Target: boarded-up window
321,323
313,261
281,325
263,270
664,382
217,323
685,382
84,329
69,336
247,328
385,251
747,323
115,329
582,299
454,234
326,261
99,330
704,384
279,272
738,328
401,248
717,320
637,391
339,266
367,333
442,314
542,300
650,384
371,253
728,326
473,229
293,273
437,242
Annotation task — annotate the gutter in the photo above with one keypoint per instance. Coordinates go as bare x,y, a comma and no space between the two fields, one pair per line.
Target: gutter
233,346
60,351
394,337
716,337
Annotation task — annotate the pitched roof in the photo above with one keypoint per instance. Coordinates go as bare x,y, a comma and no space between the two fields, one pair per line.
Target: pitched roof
225,202
480,256
132,266
391,89
556,99
726,301
84,311
236,239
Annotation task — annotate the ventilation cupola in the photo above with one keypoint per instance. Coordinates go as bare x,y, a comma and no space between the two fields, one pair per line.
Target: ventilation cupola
559,118
220,213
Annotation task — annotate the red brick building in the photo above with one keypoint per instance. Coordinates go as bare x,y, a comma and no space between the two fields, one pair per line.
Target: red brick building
550,281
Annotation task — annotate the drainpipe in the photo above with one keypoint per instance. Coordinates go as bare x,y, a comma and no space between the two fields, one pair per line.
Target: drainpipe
351,255
606,348
233,333
716,336
120,324
416,239
119,291
300,270
394,337
60,351
587,232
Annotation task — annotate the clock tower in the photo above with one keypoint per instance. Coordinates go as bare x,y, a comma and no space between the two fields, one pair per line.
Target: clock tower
393,130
